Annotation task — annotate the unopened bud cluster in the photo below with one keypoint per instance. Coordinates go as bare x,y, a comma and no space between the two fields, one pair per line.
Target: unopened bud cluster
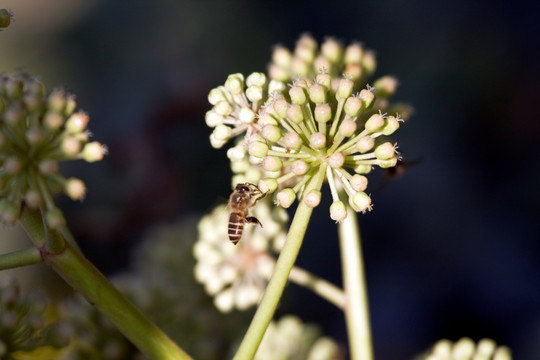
23,327
316,109
466,349
236,276
37,132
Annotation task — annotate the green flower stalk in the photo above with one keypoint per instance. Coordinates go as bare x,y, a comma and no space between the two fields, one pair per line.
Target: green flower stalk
37,132
313,119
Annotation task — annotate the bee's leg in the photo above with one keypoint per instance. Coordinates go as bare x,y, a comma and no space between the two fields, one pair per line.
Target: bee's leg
253,220
259,197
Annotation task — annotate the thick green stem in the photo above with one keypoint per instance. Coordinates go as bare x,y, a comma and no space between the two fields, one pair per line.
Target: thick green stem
20,258
84,277
354,284
265,311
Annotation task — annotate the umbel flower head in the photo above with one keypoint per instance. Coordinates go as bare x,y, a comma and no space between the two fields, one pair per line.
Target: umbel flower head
37,132
237,275
315,113
289,338
466,349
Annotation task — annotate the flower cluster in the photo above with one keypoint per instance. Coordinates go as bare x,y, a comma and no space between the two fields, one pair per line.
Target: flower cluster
289,338
316,112
37,131
237,275
22,323
467,349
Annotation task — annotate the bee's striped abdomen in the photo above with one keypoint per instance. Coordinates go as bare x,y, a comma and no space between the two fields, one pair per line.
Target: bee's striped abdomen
236,226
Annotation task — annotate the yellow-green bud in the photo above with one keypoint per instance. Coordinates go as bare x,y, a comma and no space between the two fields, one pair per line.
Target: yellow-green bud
257,149
317,140
385,151
267,185
298,95
365,144
295,114
281,56
374,123
388,163
359,182
271,133
345,88
223,108
299,167
386,85
77,122
360,201
53,120
5,18
216,95
369,62
246,115
48,167
352,106
323,112
292,140
281,106
272,163
235,83
256,79
347,127
362,169
213,119
75,189
332,50
313,198
93,151
317,93
285,198
336,160
222,132
367,97
390,126
353,53
254,93
338,212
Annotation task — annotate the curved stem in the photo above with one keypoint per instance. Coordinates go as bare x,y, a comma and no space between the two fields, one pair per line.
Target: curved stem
265,312
319,286
20,258
354,283
84,277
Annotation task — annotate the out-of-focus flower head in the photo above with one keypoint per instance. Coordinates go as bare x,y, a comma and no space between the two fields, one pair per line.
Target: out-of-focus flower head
316,109
37,132
467,349
23,326
236,275
290,338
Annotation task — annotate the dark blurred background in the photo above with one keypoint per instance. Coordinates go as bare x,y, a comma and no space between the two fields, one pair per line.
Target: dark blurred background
452,247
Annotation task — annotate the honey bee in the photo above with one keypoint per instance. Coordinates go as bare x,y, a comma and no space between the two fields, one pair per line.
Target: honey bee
244,197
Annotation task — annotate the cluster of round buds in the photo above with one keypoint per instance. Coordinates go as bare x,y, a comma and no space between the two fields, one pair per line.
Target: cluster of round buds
290,338
23,327
236,107
37,131
467,349
328,118
237,275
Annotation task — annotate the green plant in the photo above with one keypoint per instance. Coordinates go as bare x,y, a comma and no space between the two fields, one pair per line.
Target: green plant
330,126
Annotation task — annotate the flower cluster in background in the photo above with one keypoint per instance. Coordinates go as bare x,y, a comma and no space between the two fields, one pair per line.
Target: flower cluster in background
24,327
467,349
289,338
37,131
314,109
237,275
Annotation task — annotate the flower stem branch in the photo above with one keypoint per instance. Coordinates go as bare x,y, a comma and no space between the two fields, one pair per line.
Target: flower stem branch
84,277
320,286
284,264
20,258
354,283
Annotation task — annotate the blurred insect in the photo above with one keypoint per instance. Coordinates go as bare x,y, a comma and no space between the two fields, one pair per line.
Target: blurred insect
244,197
396,171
